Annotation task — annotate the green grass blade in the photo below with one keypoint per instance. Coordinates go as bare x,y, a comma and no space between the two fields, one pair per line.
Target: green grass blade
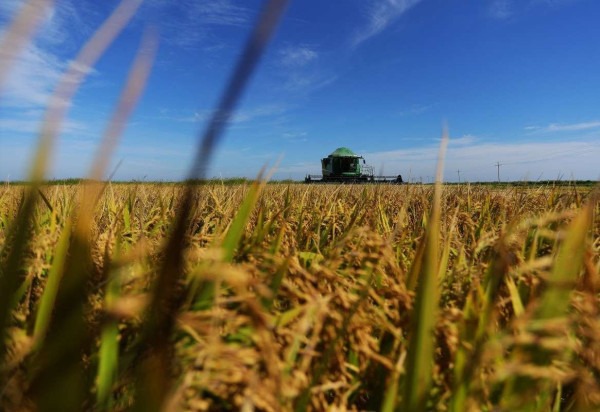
415,268
152,377
569,261
419,367
236,230
230,243
11,271
537,393
515,298
475,326
67,337
44,312
109,349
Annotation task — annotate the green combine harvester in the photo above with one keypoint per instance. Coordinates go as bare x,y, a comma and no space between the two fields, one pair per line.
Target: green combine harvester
345,166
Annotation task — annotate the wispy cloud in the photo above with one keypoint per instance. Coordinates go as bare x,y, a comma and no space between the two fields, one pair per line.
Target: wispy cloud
561,127
308,82
66,18
57,22
465,140
552,3
300,70
32,126
189,22
508,9
266,111
297,56
415,110
218,12
380,14
33,78
39,65
295,137
477,158
205,12
240,116
501,9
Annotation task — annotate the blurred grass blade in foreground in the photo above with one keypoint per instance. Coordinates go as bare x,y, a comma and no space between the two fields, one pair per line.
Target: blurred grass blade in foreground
153,376
69,337
549,322
419,358
18,236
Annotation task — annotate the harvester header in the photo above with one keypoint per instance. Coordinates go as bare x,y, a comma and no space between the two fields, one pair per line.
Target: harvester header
345,166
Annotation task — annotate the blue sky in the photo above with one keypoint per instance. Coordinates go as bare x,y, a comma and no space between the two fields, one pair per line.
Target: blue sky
517,82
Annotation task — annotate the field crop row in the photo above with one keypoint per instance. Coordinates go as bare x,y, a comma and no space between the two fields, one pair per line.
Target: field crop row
294,297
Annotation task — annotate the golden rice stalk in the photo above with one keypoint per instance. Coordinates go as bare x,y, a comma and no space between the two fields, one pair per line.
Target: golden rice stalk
419,360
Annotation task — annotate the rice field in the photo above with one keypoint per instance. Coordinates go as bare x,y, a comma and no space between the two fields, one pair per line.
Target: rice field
285,297
299,297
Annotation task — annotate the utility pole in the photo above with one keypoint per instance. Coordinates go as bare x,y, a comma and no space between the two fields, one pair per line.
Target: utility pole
498,166
458,171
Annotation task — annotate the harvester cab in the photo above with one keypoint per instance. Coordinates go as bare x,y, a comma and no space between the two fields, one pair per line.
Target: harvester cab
343,165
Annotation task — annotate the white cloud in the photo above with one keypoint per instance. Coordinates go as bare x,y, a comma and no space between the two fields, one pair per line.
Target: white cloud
31,125
558,127
415,110
213,12
239,116
66,25
501,9
299,70
380,14
506,9
466,139
37,67
62,24
307,82
246,115
33,77
297,56
476,161
553,2
189,22
295,137
218,12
